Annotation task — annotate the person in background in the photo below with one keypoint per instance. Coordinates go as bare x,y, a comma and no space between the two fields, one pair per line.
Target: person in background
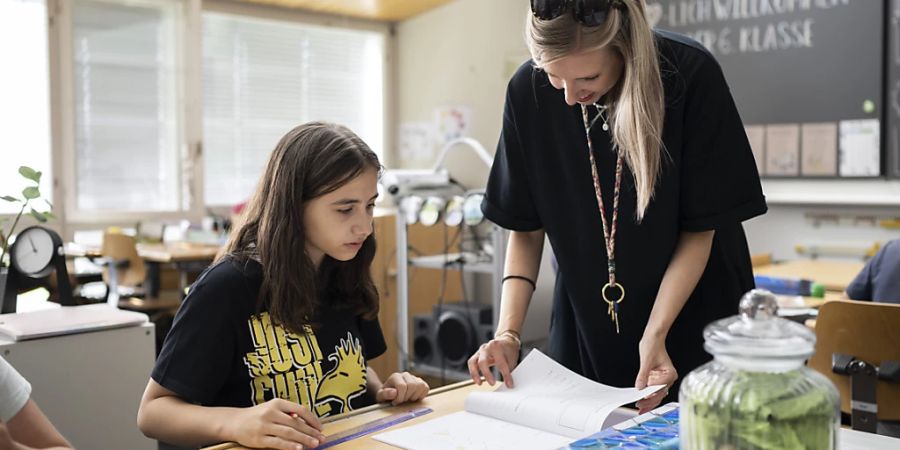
879,280
278,332
23,426
624,147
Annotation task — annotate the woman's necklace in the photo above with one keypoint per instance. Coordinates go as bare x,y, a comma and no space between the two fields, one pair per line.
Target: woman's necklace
609,232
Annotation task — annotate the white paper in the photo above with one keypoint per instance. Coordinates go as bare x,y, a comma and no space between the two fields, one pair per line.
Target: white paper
416,141
451,122
550,397
467,431
860,148
783,149
819,148
549,407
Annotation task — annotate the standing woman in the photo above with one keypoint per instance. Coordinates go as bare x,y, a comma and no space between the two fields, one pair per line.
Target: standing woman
624,146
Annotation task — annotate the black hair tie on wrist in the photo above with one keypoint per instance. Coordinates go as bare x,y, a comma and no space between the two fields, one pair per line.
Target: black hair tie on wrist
520,277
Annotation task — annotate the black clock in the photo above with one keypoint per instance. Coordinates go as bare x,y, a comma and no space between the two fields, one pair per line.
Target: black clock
36,253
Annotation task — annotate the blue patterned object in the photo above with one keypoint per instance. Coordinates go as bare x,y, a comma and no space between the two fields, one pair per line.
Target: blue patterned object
657,430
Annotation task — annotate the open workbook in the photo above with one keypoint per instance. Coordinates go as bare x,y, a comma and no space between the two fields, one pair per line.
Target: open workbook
549,407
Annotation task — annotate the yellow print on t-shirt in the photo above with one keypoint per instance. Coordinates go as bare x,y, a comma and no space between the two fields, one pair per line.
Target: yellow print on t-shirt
346,381
289,366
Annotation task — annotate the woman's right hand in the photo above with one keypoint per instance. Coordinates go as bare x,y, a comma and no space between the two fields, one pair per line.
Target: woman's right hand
502,352
277,424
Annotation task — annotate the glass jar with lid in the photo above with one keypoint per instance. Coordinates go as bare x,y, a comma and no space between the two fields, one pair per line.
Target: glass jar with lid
757,393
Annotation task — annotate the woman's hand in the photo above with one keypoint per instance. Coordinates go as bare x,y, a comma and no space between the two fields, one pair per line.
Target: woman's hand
656,368
277,424
502,352
402,387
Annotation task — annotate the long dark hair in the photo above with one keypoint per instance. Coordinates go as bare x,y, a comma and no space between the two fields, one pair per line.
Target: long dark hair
311,160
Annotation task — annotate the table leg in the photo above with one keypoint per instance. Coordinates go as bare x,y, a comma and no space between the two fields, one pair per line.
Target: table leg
151,279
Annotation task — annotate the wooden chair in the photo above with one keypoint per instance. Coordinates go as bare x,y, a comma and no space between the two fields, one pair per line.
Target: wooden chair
760,259
124,268
868,332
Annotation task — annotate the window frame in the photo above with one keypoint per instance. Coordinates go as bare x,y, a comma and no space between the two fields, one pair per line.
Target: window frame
190,89
301,17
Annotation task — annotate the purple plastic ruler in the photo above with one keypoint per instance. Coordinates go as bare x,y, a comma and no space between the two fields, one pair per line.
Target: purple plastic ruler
371,427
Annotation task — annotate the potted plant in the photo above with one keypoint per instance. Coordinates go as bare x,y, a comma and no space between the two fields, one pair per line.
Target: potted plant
30,194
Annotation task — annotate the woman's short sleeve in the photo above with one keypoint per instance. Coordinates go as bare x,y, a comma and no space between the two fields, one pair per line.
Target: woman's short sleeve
508,201
720,182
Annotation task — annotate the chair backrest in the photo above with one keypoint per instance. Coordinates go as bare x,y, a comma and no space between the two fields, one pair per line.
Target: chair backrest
150,231
760,259
118,247
869,332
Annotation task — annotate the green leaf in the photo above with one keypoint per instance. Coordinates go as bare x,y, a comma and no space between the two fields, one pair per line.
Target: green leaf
49,215
39,216
10,199
48,203
30,173
31,192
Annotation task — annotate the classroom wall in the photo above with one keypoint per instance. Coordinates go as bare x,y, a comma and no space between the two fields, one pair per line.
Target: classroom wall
785,226
460,54
463,54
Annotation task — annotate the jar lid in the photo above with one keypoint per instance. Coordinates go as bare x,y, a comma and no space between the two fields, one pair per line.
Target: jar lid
757,332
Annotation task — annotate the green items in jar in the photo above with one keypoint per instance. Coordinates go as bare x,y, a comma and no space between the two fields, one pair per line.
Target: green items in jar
757,410
757,394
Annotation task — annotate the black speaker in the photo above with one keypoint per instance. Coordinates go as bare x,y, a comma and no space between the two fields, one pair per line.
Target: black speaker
458,331
424,349
448,336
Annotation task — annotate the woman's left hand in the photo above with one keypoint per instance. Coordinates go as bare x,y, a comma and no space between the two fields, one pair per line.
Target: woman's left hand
656,368
402,387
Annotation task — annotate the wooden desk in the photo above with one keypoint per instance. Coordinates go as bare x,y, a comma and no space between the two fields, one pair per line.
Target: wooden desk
186,256
450,399
443,401
796,301
176,252
835,275
172,252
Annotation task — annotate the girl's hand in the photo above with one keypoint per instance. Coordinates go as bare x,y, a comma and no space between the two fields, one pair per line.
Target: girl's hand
401,388
502,352
656,368
277,424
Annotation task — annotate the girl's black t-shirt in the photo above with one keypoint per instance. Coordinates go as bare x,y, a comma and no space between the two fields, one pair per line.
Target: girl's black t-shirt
222,351
541,179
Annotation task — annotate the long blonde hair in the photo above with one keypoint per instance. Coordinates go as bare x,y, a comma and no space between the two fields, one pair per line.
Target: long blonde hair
636,103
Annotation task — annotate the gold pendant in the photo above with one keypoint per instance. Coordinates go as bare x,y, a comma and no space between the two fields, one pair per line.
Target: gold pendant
613,305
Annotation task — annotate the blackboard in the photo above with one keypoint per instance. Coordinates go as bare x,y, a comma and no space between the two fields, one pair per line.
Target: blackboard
807,64
892,108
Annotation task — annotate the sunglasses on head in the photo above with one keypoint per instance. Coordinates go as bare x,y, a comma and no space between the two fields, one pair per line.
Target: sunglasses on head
589,12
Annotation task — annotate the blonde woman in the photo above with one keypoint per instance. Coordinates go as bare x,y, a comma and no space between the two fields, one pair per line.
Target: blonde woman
624,147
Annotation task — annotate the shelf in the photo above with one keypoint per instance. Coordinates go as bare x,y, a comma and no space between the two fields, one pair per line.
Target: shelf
468,262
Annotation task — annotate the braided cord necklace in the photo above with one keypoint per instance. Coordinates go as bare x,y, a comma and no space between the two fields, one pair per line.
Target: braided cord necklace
609,230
